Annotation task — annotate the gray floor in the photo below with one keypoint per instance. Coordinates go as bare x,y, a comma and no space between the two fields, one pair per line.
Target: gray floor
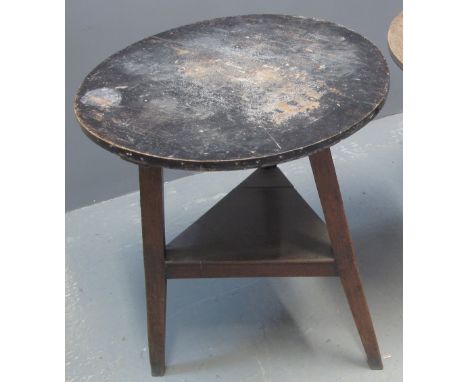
290,329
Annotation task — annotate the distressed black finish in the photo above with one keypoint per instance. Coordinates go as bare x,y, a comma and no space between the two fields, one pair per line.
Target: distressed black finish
233,93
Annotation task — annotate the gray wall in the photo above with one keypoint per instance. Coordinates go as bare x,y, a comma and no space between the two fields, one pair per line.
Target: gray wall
97,28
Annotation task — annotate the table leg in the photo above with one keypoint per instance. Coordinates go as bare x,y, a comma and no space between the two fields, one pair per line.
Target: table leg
152,222
338,231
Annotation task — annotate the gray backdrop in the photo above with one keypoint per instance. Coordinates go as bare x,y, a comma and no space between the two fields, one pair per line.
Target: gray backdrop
97,28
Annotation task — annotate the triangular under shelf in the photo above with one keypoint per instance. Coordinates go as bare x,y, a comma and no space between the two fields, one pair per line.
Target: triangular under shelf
263,227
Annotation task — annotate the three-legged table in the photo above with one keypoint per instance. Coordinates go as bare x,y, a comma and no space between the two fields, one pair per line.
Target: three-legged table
230,94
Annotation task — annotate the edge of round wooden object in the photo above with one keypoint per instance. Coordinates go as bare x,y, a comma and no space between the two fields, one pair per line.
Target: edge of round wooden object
395,39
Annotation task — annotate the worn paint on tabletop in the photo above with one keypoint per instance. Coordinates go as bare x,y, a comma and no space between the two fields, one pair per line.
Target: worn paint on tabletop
233,92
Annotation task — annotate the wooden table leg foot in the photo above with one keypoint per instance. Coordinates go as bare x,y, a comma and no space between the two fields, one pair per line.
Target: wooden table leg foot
152,222
158,370
375,363
340,237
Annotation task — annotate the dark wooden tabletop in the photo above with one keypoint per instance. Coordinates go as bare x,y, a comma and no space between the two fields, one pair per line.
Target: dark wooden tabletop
235,92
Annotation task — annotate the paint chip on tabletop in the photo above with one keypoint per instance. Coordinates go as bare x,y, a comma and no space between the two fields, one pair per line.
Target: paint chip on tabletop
103,98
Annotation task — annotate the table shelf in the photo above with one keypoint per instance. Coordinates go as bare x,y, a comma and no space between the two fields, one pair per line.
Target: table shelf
261,228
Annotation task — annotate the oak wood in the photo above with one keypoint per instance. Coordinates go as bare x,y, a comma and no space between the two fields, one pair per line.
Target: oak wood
232,93
152,221
395,39
181,270
263,227
333,209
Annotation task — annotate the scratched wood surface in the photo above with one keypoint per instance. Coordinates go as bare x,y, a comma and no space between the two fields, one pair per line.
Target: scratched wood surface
233,92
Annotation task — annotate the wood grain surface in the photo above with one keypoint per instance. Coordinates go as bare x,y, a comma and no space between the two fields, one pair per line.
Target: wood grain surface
395,39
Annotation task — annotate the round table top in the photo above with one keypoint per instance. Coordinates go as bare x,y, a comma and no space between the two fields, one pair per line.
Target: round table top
395,39
234,92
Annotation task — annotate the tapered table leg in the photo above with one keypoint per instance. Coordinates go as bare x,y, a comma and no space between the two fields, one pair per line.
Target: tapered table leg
335,218
152,221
